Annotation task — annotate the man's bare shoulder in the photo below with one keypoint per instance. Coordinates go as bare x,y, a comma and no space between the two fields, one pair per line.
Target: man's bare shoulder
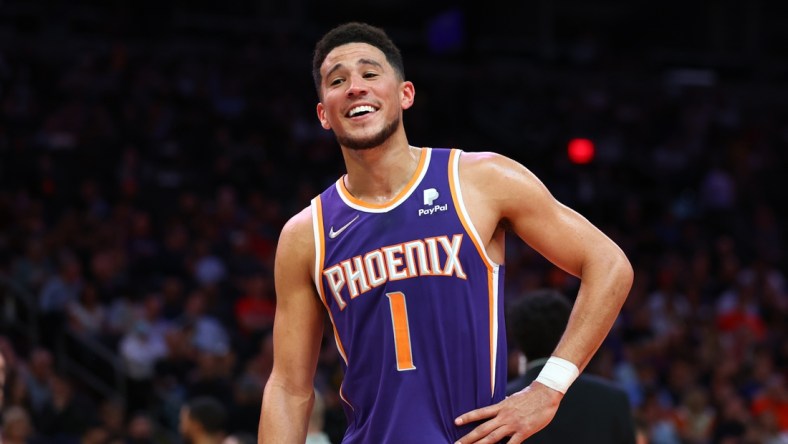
297,233
478,159
494,171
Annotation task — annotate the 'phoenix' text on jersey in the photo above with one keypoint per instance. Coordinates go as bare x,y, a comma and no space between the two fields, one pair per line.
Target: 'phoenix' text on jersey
421,257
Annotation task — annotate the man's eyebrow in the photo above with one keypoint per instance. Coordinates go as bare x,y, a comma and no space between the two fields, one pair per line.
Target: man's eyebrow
369,62
359,62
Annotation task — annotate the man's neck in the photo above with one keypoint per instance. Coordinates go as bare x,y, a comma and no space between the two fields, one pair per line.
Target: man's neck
379,174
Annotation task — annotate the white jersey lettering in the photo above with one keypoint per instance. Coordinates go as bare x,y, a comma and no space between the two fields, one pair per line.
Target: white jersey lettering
421,257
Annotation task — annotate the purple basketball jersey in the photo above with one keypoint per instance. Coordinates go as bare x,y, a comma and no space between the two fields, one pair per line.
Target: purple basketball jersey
416,306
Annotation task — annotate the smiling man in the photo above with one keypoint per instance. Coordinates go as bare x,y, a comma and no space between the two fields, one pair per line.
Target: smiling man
405,253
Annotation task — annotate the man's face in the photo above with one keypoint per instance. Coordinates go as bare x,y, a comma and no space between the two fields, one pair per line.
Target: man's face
362,96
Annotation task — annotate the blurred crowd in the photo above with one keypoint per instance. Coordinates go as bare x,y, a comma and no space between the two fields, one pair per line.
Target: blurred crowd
144,181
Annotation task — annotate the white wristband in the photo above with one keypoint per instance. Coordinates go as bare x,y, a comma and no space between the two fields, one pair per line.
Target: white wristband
558,374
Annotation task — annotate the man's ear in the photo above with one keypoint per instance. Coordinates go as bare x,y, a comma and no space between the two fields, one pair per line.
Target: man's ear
321,116
407,94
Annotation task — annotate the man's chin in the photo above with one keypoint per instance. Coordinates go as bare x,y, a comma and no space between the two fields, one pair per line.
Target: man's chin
361,144
367,143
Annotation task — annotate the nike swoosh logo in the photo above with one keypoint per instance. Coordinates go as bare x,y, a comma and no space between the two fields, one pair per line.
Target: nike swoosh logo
332,234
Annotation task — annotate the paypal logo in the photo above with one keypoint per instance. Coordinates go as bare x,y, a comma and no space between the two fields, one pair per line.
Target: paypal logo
436,209
430,194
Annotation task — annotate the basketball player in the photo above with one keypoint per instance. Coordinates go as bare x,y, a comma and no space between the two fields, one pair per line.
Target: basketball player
405,252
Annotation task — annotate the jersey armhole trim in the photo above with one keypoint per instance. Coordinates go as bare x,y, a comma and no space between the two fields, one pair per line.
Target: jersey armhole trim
459,203
493,269
320,253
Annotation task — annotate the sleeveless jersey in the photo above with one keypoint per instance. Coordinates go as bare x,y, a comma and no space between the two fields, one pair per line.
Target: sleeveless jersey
416,307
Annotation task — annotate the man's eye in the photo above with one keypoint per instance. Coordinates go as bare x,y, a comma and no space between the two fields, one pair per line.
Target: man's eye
336,81
370,75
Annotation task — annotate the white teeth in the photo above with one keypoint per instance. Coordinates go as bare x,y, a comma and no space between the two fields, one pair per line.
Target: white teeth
361,109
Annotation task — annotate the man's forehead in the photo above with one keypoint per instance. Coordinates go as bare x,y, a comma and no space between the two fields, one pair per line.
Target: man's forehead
351,54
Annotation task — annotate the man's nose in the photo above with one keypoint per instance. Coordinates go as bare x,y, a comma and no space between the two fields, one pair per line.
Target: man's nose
357,86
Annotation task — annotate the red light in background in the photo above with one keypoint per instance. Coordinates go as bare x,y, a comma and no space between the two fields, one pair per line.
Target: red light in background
581,151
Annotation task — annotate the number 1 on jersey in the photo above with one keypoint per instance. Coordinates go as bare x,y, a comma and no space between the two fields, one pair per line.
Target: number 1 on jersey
399,321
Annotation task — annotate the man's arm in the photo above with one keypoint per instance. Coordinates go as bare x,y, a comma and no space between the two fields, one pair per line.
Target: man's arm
298,329
572,243
501,190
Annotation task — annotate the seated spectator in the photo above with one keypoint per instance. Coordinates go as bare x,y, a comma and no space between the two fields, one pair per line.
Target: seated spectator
140,349
773,401
205,330
254,310
57,292
37,379
87,315
68,414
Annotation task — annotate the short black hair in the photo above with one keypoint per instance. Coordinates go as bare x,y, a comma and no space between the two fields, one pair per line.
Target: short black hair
209,412
355,32
537,320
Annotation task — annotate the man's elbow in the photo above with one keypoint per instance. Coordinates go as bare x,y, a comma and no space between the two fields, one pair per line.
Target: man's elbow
622,269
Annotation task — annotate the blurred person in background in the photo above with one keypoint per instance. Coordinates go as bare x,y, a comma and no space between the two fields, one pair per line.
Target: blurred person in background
69,412
57,293
141,429
203,420
141,348
17,428
87,316
695,417
770,405
536,321
40,370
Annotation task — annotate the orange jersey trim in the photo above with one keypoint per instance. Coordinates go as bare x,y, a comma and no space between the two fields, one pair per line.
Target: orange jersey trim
406,190
320,258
